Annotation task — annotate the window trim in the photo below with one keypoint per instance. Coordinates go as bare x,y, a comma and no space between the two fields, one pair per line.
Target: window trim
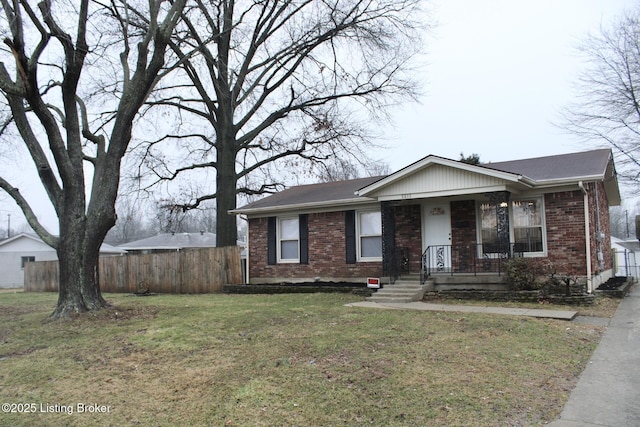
359,236
279,240
543,225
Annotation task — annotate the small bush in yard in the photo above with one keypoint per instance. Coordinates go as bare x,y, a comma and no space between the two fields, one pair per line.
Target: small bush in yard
527,274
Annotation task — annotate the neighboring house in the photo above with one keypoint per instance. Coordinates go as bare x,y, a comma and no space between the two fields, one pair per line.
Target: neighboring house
626,256
26,247
439,216
171,242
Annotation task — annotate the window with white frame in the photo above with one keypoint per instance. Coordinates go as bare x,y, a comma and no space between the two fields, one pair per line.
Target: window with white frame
528,233
288,240
370,236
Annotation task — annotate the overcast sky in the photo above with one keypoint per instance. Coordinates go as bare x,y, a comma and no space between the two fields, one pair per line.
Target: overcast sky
498,74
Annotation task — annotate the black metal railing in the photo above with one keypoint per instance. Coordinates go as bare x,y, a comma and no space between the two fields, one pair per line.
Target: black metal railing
468,259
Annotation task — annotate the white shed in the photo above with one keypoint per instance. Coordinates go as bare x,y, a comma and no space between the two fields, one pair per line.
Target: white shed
26,247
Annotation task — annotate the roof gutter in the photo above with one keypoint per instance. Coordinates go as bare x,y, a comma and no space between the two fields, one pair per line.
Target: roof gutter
587,236
331,204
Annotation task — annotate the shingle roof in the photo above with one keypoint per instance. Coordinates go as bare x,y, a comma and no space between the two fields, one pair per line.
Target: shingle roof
314,193
105,248
173,241
563,166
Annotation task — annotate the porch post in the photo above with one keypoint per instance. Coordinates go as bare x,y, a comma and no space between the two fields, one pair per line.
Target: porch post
501,200
388,240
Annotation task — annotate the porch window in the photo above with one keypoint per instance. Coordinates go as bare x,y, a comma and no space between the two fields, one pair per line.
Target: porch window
527,225
370,235
489,226
288,240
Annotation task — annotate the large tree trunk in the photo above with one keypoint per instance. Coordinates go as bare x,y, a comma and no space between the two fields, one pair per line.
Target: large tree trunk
226,178
79,290
78,253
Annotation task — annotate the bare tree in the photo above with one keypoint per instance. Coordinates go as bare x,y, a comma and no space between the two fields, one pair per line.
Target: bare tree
607,111
622,220
171,218
340,169
59,54
132,221
278,88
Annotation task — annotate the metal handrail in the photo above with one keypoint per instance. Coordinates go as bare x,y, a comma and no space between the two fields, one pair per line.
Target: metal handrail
472,258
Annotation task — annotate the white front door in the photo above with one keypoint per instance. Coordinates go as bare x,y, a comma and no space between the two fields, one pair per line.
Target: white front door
436,234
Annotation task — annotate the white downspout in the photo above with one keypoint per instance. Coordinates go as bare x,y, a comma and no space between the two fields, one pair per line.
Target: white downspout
587,236
246,249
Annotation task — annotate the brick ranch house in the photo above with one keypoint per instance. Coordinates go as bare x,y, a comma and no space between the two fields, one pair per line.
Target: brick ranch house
439,216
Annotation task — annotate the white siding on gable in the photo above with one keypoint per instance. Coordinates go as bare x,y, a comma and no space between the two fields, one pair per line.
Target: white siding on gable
440,180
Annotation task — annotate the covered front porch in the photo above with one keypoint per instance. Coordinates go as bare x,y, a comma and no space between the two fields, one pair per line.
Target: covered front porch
449,236
446,217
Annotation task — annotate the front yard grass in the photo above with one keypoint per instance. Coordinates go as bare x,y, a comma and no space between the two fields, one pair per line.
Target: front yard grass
283,360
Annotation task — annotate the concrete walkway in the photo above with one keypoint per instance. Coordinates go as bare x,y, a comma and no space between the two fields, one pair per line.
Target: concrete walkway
608,391
549,314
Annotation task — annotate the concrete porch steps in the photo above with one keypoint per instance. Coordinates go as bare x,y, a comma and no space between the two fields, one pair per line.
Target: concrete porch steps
404,290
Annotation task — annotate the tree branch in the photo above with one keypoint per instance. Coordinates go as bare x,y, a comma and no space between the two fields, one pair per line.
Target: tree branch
15,194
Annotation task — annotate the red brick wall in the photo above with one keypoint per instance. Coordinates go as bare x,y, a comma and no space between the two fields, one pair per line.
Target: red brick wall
326,253
463,222
566,231
566,243
564,216
463,234
409,233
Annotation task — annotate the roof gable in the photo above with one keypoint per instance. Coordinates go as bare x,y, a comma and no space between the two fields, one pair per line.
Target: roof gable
24,241
435,176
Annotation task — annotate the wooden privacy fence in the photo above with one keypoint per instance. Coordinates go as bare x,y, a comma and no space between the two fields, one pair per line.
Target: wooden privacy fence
188,271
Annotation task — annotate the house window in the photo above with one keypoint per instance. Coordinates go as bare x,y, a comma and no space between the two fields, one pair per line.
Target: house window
527,225
370,236
488,224
288,240
26,259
